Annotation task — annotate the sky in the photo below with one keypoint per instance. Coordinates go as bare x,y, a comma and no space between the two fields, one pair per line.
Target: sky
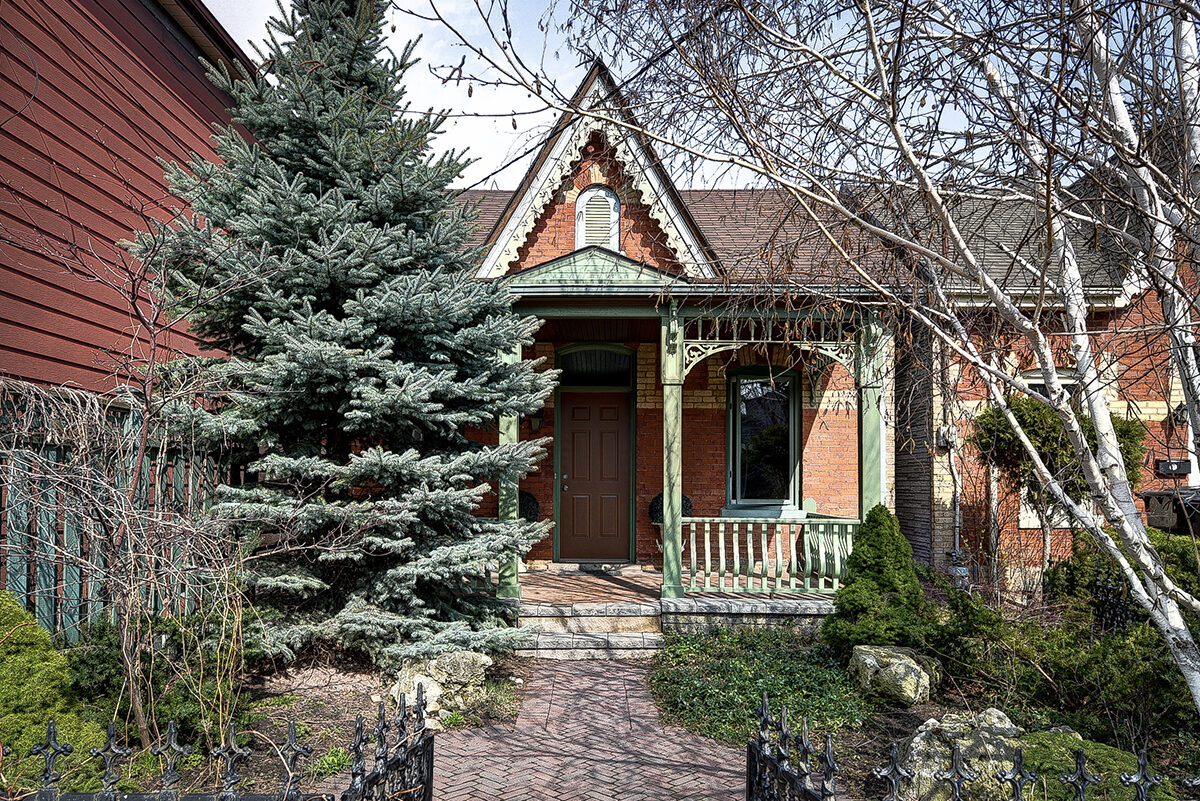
482,122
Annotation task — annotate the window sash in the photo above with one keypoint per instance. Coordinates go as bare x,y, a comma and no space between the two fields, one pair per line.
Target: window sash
737,478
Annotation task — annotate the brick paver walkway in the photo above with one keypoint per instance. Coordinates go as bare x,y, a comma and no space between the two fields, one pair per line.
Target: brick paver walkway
587,731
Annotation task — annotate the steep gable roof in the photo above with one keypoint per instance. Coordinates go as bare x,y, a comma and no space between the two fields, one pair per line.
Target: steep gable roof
598,91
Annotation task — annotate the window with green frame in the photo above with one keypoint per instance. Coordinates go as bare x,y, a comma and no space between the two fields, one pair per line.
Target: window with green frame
764,452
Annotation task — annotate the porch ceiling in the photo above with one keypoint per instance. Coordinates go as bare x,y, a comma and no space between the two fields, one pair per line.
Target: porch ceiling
600,329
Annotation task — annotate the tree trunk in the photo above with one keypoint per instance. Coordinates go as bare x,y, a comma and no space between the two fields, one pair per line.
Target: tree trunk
131,652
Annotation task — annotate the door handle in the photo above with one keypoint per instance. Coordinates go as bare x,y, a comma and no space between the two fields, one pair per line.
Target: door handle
564,480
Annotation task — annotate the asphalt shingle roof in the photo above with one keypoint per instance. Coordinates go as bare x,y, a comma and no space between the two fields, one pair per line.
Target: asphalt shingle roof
760,234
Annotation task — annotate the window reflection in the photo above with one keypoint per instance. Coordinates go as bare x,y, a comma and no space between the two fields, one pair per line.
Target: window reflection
763,426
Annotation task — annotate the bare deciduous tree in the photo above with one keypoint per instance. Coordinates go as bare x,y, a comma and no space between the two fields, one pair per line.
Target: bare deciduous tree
1012,159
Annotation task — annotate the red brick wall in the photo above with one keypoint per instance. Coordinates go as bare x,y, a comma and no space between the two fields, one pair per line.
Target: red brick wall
553,235
829,459
1134,361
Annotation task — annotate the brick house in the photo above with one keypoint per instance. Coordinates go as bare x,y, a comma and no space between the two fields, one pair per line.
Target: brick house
716,422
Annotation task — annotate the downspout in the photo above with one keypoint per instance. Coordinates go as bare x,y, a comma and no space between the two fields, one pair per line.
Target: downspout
947,438
960,572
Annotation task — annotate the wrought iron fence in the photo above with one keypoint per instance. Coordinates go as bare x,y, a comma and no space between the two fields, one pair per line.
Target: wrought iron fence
779,767
401,765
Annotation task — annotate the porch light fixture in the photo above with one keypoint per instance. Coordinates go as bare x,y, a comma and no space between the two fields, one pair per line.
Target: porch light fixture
536,419
1178,416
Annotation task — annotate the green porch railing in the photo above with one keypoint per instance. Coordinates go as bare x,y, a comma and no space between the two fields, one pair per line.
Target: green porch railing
765,554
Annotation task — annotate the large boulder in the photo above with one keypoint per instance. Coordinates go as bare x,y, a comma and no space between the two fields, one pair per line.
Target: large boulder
461,675
406,684
452,681
895,674
987,743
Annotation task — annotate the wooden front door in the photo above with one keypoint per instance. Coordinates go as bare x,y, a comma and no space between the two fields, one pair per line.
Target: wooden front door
594,478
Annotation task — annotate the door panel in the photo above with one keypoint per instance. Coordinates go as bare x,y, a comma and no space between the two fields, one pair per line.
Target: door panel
595,482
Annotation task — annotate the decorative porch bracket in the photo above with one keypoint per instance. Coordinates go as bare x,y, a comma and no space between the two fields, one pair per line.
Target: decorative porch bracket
510,432
871,365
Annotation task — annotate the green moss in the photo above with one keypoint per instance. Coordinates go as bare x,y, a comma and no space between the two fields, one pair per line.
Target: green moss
35,687
1052,754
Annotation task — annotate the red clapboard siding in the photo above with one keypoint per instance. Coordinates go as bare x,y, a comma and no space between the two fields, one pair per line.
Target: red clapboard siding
118,86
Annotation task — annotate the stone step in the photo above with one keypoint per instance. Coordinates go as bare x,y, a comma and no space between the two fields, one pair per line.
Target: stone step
592,646
592,618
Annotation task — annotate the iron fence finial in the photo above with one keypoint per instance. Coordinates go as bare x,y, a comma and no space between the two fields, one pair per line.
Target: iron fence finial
174,751
1142,781
50,750
1018,777
1081,779
958,775
893,772
111,753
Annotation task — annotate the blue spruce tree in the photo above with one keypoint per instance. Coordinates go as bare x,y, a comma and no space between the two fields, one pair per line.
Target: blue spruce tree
331,258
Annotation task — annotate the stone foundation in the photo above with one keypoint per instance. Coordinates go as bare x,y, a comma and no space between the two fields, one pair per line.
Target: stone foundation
693,615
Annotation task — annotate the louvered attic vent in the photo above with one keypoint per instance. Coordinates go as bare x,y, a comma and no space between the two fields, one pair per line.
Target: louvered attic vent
597,218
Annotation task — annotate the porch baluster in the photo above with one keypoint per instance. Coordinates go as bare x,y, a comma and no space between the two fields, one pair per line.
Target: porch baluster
764,532
796,533
737,556
707,556
822,566
749,557
721,551
780,528
692,555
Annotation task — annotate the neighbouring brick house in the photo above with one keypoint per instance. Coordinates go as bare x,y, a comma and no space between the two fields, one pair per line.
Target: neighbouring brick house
773,415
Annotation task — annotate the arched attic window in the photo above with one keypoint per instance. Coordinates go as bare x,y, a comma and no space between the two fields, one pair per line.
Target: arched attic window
598,219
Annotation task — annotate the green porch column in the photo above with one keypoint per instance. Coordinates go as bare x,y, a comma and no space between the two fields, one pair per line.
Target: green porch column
510,431
671,353
871,364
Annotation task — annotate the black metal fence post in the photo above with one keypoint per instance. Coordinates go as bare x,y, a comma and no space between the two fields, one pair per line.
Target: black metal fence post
402,768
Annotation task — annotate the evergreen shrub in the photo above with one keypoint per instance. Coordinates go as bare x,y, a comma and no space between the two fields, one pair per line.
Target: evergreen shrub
35,687
882,601
1115,684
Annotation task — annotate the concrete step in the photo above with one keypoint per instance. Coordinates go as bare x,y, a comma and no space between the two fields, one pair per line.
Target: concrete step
592,646
592,618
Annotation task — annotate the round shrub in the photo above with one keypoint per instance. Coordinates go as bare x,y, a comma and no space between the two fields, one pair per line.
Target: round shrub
35,687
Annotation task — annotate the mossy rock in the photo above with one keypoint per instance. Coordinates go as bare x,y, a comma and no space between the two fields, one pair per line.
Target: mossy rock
1051,754
35,687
